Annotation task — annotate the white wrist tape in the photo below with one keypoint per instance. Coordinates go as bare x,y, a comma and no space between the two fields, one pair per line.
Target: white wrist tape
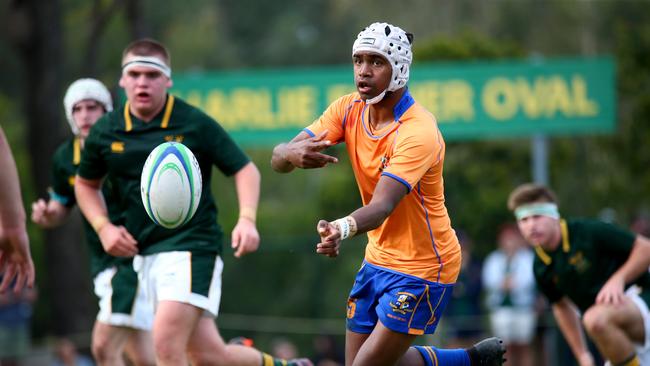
347,226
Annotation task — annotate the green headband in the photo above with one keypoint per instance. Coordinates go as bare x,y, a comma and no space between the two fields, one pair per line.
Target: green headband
545,209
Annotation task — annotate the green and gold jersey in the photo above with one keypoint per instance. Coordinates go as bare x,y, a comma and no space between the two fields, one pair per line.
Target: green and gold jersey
65,163
590,252
118,146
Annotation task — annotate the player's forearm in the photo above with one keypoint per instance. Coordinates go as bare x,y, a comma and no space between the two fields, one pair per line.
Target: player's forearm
90,199
371,216
247,183
12,211
387,195
569,322
279,161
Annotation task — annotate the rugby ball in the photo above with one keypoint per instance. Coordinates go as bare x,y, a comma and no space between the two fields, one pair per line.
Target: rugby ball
171,185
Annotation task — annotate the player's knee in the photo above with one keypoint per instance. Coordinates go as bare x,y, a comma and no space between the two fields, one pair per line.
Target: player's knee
102,351
595,320
168,352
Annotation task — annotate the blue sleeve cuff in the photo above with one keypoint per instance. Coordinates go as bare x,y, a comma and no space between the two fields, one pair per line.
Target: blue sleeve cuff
309,132
65,201
399,179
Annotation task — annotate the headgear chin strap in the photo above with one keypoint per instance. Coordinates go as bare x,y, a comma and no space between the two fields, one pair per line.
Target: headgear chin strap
377,99
394,45
147,61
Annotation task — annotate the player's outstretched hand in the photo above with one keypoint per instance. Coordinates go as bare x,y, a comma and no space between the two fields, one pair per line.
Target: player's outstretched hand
15,260
245,238
330,239
117,241
307,153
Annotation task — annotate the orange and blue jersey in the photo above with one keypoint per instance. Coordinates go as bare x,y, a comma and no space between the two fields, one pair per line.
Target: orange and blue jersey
417,238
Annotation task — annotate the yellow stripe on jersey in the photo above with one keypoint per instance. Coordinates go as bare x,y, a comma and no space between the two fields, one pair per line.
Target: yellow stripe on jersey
168,111
128,123
566,245
565,236
76,151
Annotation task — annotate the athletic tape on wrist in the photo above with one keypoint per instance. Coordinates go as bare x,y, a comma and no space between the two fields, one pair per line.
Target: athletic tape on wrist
98,223
248,213
347,226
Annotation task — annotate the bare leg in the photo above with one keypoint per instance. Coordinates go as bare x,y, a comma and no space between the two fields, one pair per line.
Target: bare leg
139,348
382,347
353,341
615,329
108,344
206,347
173,326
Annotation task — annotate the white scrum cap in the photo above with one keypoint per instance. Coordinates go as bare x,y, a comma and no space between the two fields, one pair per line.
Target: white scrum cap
83,89
394,44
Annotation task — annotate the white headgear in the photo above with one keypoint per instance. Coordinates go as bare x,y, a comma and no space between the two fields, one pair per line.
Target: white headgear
85,89
392,43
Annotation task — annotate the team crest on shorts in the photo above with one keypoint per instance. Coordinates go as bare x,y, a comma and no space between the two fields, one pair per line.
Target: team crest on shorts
403,303
352,307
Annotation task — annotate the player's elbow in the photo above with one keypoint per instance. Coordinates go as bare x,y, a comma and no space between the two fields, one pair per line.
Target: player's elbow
82,183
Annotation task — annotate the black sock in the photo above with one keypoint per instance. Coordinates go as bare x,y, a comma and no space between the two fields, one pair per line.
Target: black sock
474,358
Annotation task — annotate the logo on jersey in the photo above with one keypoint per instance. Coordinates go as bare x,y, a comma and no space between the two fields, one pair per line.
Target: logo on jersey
385,162
117,147
579,262
174,138
403,303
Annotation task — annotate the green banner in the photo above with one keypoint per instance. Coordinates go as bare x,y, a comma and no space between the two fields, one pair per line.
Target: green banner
470,100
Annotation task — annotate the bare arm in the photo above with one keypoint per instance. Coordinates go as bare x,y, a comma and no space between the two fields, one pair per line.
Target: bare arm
568,320
12,212
385,198
245,238
116,240
636,264
303,151
15,257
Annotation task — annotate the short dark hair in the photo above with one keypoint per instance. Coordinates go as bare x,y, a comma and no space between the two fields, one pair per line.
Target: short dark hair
528,193
148,47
